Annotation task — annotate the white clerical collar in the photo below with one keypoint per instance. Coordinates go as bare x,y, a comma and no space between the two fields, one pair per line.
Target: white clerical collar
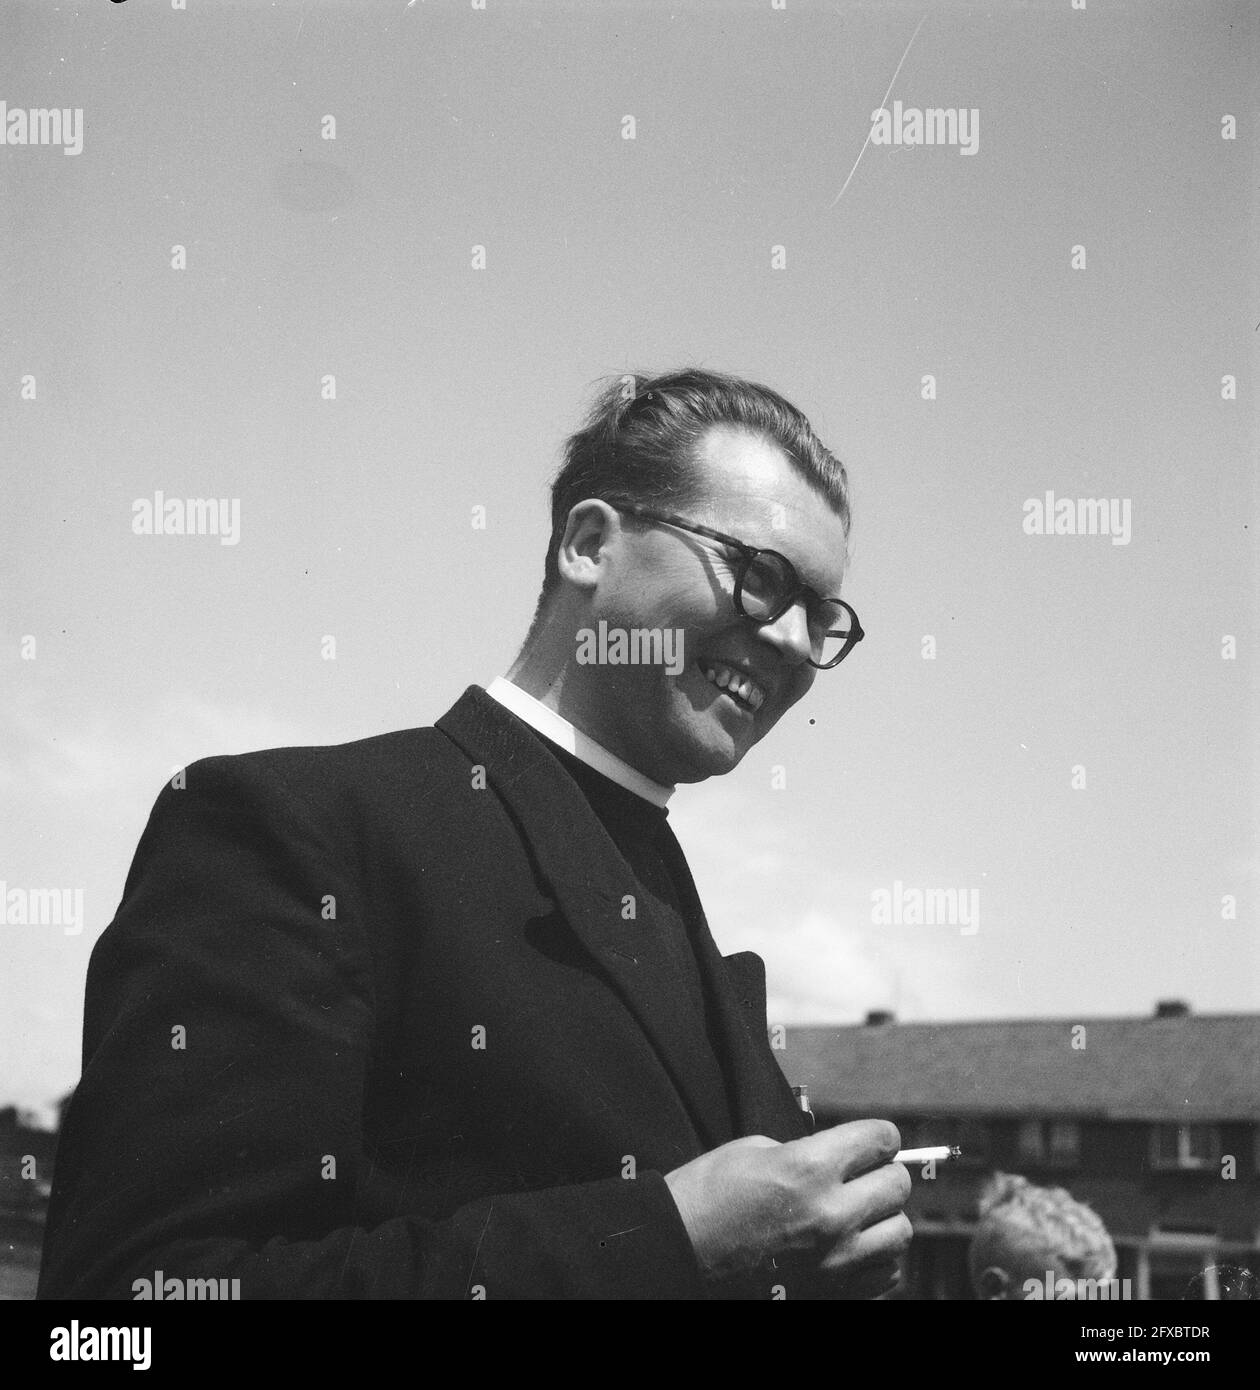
558,729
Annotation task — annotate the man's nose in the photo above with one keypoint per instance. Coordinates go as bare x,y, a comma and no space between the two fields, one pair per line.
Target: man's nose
789,633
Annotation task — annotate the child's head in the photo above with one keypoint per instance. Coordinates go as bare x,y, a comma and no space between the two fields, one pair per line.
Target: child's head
1026,1230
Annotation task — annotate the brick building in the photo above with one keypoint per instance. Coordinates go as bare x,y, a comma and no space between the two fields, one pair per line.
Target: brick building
1154,1122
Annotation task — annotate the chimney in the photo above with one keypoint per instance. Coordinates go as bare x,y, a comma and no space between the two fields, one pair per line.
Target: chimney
878,1016
1172,1008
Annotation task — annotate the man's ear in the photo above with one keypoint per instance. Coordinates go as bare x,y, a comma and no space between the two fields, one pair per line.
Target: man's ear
591,522
994,1283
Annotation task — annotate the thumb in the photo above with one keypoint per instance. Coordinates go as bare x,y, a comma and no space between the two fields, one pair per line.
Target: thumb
754,1141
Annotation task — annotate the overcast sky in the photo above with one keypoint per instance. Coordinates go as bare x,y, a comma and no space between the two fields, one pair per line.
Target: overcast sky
1077,288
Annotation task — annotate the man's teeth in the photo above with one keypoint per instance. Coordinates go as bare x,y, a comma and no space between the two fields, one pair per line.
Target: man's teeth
735,683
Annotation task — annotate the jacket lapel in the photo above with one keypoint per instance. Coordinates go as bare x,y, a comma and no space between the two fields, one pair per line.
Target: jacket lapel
587,876
767,1103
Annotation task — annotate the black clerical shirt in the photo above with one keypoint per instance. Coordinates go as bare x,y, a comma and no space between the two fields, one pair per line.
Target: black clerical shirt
641,832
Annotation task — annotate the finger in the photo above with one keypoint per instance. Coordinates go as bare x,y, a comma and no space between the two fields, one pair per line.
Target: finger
876,1282
875,1246
871,1281
850,1149
862,1202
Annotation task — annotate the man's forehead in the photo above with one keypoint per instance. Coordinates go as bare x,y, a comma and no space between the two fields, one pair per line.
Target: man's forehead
754,492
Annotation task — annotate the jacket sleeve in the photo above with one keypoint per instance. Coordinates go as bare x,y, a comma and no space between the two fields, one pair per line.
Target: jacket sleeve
216,1131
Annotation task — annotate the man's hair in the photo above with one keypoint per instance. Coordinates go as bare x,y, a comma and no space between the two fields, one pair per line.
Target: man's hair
642,435
1015,1213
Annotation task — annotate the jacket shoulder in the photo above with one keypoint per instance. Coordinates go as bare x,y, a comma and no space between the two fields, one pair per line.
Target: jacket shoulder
330,771
402,775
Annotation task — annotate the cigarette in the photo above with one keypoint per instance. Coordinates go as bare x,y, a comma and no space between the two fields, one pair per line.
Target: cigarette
941,1151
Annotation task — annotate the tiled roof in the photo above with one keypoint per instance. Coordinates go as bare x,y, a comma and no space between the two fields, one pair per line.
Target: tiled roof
1197,1067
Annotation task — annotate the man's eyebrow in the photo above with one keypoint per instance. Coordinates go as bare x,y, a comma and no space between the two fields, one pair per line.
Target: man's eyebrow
823,591
776,544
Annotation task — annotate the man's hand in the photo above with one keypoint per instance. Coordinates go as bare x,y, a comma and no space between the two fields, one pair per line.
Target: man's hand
829,1205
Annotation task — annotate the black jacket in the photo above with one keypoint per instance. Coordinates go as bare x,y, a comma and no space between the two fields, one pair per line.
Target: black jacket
370,1023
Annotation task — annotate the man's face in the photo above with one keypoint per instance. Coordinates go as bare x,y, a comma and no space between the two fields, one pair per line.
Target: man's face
685,727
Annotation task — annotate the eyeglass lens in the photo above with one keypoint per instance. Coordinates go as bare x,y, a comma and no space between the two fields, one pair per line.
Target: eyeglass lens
764,592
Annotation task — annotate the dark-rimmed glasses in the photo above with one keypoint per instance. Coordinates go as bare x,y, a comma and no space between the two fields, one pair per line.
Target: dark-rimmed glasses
767,585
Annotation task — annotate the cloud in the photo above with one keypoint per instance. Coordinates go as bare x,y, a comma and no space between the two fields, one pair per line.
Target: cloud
772,884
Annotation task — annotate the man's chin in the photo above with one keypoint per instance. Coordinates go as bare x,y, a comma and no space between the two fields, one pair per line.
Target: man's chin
708,754
707,734
715,768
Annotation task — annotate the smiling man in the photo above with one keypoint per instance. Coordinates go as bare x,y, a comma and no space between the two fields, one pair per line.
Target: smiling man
438,1014
623,562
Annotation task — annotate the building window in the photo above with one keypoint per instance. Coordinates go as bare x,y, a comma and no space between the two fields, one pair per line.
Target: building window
1065,1142
972,1137
1185,1146
1031,1147
911,1130
1053,1143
